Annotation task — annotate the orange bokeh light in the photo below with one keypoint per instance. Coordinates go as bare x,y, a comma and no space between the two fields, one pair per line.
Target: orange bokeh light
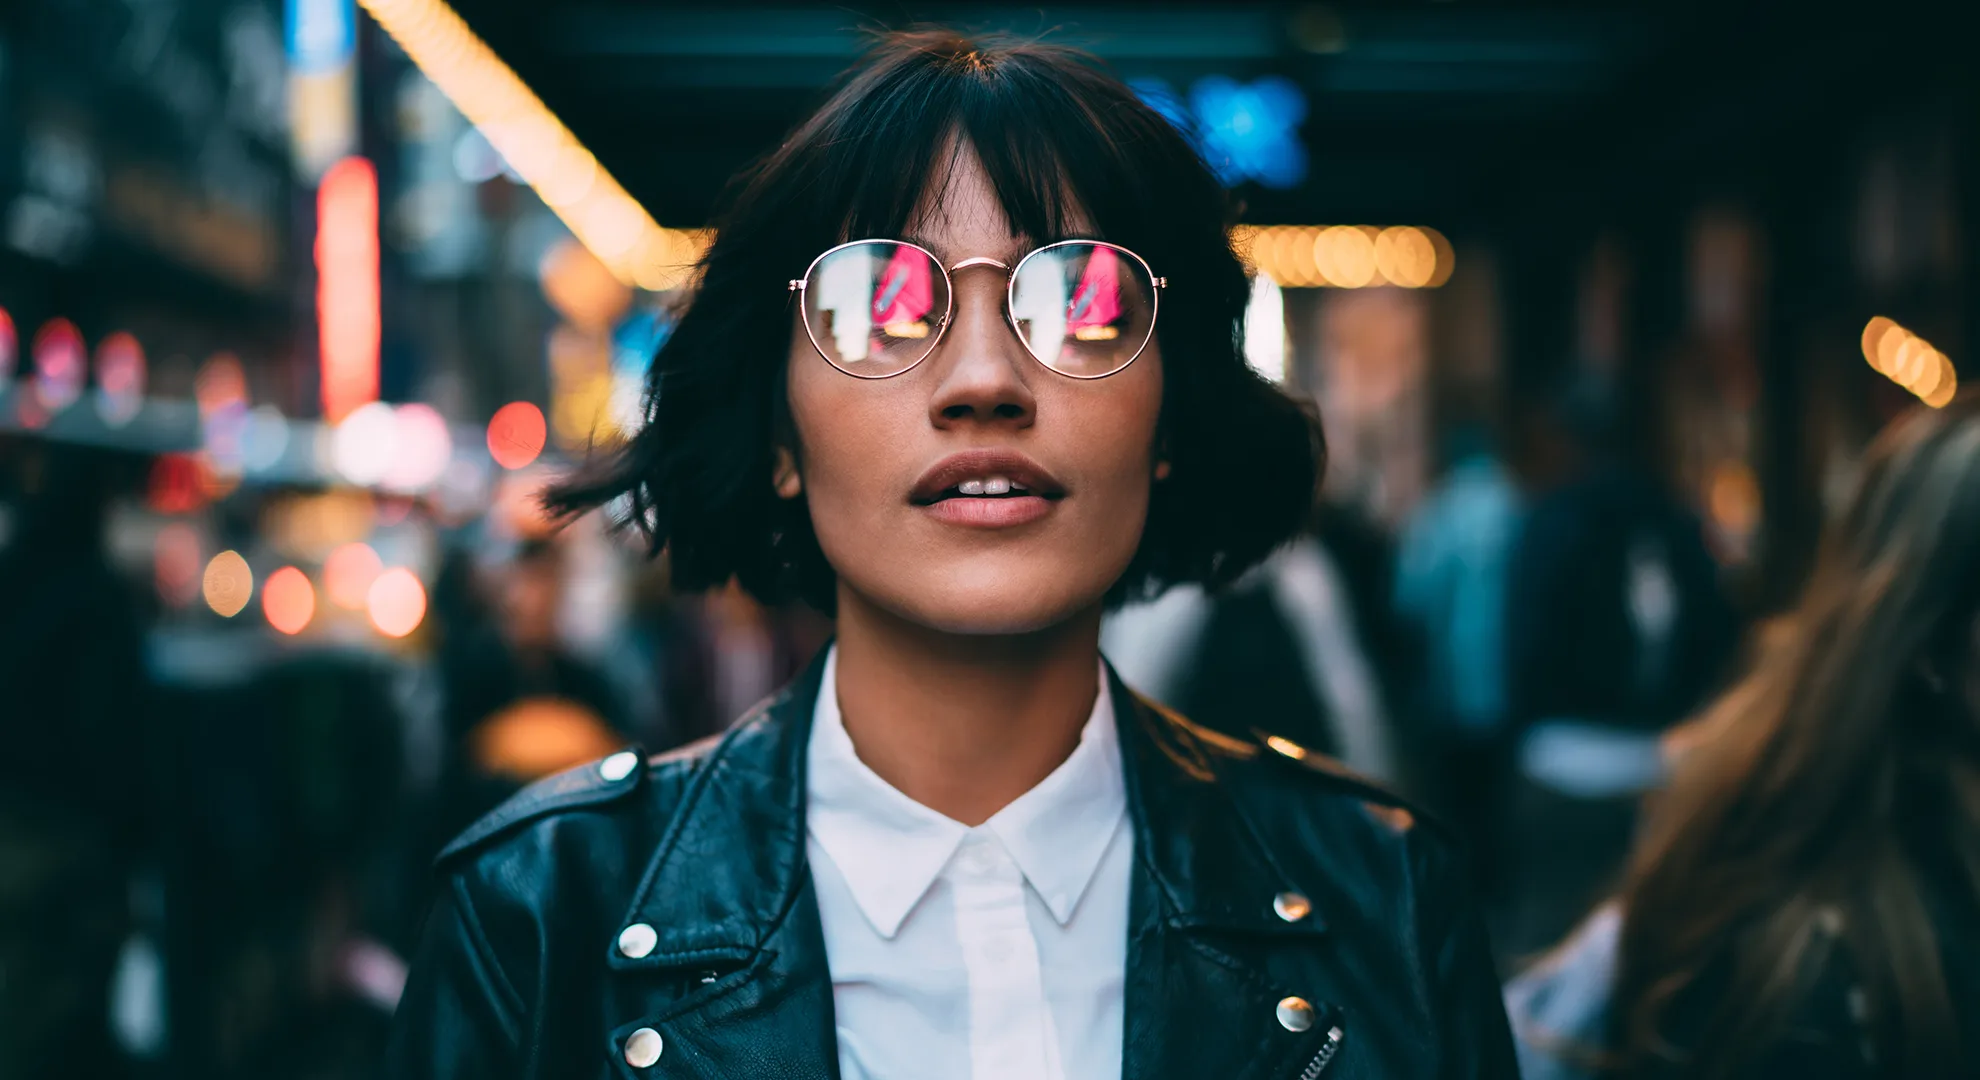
288,599
396,602
348,574
228,583
516,434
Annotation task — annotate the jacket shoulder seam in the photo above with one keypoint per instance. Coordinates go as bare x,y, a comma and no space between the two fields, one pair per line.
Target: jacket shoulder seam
1378,802
573,789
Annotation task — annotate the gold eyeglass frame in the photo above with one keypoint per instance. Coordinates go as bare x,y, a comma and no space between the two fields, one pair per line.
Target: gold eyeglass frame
797,285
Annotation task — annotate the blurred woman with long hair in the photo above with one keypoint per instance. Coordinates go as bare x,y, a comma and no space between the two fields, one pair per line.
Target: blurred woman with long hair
1803,899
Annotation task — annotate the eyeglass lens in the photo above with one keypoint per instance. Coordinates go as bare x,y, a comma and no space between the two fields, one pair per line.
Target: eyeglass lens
875,308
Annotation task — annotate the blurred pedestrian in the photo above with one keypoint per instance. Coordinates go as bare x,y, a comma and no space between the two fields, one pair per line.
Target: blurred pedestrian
1450,594
73,675
1287,641
520,704
957,845
1616,628
1805,901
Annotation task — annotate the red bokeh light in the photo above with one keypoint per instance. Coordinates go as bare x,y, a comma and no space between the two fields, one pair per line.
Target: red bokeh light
120,373
10,345
397,602
347,285
220,384
516,434
349,573
288,599
60,364
178,484
176,564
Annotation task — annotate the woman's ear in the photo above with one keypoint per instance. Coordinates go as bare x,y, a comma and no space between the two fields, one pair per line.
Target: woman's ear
785,475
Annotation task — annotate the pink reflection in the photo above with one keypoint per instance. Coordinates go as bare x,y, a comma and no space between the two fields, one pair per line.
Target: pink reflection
906,290
1097,300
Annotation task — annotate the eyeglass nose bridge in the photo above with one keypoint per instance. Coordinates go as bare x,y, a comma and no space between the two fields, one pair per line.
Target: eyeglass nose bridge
981,260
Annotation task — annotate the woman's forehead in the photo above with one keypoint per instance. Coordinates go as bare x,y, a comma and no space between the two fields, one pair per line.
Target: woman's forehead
960,215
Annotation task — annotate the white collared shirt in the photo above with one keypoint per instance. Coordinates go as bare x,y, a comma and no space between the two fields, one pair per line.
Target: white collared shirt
990,953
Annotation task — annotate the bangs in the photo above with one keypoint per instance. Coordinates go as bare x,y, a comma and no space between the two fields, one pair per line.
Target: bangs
1070,153
1069,150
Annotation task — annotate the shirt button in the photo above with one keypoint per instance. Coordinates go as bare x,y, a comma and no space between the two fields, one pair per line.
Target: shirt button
643,1048
637,940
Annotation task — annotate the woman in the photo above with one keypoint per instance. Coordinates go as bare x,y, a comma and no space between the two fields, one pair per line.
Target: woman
1803,902
923,383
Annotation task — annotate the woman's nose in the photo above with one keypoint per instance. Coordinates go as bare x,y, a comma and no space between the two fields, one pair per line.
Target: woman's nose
982,370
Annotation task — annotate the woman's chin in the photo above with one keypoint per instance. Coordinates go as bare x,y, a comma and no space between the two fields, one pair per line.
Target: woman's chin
985,605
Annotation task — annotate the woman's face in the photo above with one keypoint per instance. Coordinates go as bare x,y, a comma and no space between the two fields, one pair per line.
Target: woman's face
882,461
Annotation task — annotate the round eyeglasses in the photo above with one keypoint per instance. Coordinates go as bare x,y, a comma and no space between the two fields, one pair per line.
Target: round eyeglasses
876,308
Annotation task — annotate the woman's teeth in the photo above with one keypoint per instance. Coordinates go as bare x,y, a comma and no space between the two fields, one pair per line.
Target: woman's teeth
995,485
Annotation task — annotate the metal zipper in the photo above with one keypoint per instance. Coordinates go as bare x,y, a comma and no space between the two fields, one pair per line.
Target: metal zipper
1326,1055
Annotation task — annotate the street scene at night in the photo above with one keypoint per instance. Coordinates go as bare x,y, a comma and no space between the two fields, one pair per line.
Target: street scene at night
633,539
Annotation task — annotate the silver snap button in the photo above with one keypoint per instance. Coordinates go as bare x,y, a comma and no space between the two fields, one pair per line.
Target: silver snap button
1291,906
637,940
1295,1014
643,1048
618,766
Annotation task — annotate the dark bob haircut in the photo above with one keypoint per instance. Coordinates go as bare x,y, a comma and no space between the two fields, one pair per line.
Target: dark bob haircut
1060,138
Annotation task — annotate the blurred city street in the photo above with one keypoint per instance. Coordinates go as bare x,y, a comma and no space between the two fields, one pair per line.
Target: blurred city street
304,305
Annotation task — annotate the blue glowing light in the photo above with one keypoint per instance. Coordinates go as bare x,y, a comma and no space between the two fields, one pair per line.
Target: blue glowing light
1245,131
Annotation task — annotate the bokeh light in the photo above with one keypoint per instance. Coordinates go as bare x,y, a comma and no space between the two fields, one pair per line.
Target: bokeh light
60,365
581,288
227,584
1346,256
10,345
177,484
1404,256
347,290
396,602
1873,336
176,563
120,375
540,149
349,572
366,444
422,447
220,384
516,434
1910,361
288,599
264,438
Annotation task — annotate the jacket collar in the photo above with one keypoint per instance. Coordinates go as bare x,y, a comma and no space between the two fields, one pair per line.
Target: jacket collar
728,882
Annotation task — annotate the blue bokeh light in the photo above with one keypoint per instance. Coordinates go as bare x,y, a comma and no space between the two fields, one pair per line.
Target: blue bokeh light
1245,131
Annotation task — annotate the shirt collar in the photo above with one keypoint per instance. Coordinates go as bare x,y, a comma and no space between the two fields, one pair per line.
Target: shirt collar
890,849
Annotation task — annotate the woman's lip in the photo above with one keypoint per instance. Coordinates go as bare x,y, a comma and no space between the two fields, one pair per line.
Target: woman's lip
983,464
1004,512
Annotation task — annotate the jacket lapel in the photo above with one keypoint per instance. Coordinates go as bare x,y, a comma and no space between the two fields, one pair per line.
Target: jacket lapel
737,982
1209,960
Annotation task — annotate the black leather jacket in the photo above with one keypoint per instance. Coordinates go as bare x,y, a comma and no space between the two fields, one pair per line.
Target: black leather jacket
522,975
